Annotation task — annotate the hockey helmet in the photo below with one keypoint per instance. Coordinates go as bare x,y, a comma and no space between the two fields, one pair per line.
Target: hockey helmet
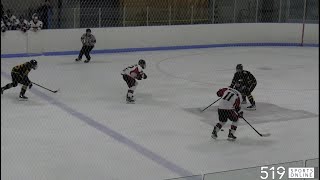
239,68
34,64
88,30
142,63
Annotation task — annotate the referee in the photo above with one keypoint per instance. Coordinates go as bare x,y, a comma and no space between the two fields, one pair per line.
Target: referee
88,40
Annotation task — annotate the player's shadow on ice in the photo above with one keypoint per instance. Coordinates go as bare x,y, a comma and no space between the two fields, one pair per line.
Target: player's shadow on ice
221,143
82,63
265,113
14,98
148,99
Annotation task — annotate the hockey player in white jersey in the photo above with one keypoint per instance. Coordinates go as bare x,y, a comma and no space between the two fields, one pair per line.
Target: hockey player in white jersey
229,108
35,24
130,74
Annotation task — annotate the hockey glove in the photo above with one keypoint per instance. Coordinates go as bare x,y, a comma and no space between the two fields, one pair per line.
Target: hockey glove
139,77
30,85
240,114
144,76
220,93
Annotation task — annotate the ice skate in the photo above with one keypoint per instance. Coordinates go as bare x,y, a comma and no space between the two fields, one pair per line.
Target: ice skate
231,137
23,97
214,134
252,107
130,100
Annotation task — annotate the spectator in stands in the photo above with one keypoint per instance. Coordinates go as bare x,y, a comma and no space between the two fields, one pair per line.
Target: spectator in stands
14,23
10,20
35,24
34,15
6,22
43,13
23,24
10,16
3,26
2,11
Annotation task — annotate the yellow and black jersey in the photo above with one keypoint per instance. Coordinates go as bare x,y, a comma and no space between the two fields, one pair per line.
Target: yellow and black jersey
246,76
22,69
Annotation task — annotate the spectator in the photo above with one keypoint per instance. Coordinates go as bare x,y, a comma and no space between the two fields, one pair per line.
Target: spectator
35,24
3,26
14,23
6,22
34,15
11,16
2,11
23,24
10,20
43,13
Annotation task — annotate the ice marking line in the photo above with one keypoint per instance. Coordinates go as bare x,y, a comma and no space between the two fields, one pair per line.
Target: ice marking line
162,48
158,67
112,133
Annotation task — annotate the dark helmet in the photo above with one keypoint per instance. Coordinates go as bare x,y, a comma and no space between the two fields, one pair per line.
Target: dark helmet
34,64
239,67
88,30
142,63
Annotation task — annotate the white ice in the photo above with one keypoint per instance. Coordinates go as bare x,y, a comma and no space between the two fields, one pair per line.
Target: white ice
39,140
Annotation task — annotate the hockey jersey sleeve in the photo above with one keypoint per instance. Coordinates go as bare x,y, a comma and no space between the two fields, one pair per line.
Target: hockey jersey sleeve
236,105
234,79
221,91
251,78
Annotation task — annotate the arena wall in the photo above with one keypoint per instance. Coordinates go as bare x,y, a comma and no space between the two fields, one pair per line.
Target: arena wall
123,39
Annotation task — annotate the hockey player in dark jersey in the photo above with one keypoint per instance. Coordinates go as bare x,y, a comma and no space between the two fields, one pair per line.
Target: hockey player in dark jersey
249,82
19,74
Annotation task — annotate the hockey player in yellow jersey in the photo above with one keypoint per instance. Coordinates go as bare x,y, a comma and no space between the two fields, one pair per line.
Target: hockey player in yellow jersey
19,74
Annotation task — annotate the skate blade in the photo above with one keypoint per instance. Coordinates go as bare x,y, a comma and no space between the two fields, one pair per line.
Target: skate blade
266,135
231,139
251,109
20,99
213,137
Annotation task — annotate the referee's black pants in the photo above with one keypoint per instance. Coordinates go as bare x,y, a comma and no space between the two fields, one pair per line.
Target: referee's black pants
86,51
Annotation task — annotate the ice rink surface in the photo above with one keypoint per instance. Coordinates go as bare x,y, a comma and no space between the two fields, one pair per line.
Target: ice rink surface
87,131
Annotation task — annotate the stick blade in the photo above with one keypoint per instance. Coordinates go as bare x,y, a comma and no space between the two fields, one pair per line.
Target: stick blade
265,135
56,91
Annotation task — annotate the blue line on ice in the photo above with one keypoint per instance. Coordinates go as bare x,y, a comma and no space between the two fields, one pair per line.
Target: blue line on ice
110,132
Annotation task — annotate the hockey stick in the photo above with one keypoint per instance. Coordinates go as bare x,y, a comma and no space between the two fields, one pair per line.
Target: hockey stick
262,135
210,105
46,88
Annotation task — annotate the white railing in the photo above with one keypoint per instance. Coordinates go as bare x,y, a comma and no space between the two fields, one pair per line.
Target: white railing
254,173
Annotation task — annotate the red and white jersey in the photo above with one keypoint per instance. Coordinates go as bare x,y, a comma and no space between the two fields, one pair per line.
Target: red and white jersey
132,71
230,99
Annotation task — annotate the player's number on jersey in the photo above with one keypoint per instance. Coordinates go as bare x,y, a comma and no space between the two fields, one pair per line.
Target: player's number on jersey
228,96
